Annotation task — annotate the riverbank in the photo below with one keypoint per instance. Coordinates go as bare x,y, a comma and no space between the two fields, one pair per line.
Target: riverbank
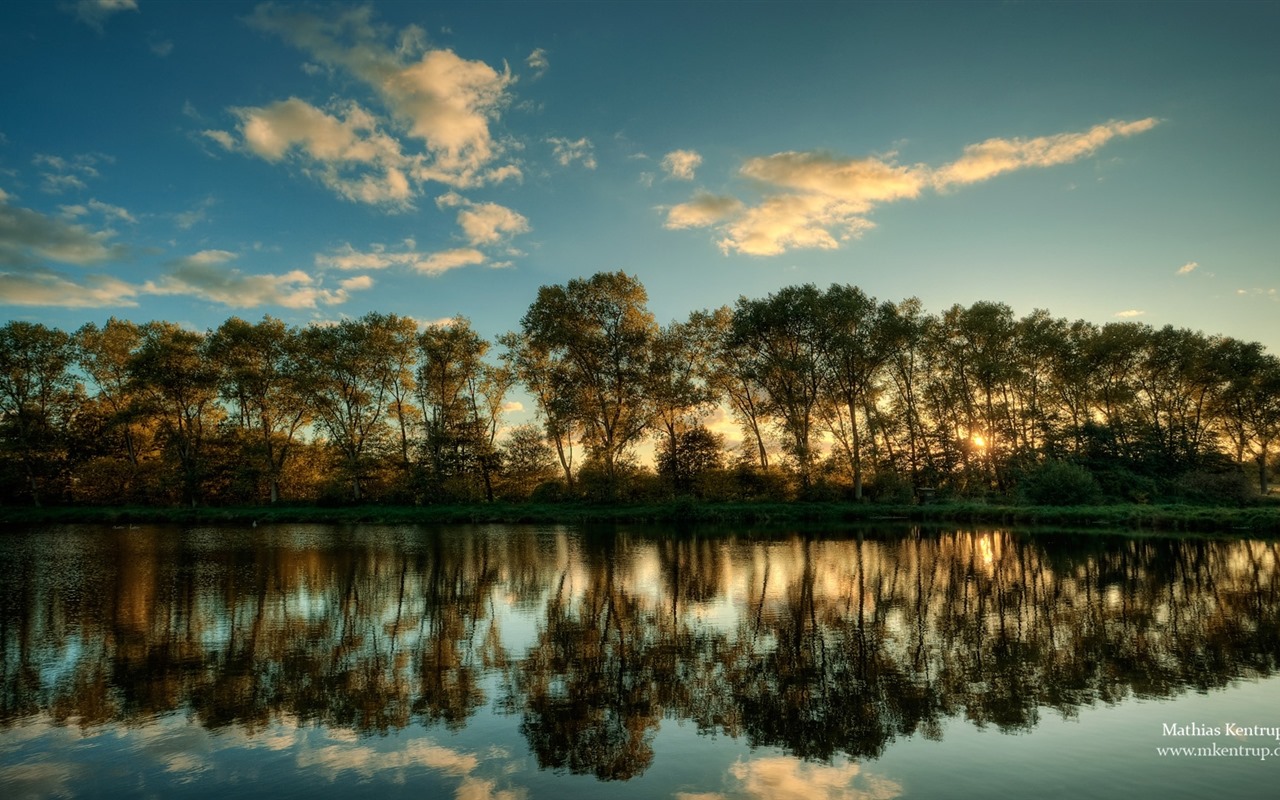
1259,519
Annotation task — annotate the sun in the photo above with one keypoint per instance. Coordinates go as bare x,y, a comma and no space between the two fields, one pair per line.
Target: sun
978,441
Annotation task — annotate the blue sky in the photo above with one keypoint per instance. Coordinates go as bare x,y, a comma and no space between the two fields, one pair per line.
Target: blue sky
194,161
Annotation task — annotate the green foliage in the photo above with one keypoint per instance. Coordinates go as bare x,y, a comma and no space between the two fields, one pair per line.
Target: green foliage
1059,483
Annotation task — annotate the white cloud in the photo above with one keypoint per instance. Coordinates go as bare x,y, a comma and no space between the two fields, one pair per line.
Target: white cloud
446,101
107,211
1258,292
206,275
817,200
859,181
681,164
537,61
186,220
490,223
62,174
987,159
1130,313
95,12
346,150
703,210
567,151
29,238
794,221
48,288
221,137
1187,268
378,256
446,260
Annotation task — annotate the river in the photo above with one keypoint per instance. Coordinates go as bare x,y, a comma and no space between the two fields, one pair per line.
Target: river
518,662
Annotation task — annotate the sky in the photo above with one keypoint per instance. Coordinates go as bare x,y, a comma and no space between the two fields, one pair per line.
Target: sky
196,161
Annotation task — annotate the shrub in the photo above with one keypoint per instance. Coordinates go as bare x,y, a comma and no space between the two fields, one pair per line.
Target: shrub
1059,483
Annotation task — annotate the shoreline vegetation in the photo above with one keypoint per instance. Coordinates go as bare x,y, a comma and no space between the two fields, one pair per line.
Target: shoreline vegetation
835,397
1263,518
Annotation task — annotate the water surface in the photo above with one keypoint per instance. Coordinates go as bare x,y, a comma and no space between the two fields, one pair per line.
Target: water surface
508,662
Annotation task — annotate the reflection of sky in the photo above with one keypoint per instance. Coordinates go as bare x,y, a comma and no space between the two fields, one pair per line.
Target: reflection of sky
489,758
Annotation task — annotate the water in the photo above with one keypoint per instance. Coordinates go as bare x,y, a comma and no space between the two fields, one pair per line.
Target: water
512,663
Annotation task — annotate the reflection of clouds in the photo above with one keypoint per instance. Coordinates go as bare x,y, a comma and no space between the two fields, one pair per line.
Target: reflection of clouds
473,788
786,778
185,752
368,762
37,779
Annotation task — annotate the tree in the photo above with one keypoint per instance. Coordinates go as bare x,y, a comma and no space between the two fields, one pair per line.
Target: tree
103,354
259,374
679,381
778,339
855,347
547,380
526,461
178,383
36,397
596,337
731,377
347,372
687,457
462,399
1248,401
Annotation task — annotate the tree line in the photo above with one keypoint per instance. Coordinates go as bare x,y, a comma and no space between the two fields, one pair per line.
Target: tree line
836,395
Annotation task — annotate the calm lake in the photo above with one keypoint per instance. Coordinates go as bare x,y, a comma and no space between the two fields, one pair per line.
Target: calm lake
521,662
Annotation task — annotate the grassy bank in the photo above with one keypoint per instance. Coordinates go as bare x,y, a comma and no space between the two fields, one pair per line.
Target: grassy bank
1260,519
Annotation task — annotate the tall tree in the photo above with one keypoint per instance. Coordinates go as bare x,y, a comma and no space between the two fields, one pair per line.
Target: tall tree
547,379
1247,402
679,382
103,354
855,346
178,383
598,334
348,369
780,338
462,398
36,397
259,375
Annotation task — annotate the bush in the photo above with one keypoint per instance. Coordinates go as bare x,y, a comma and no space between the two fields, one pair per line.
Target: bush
1215,486
1059,483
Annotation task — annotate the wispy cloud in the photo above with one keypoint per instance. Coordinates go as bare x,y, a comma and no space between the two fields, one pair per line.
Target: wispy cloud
814,199
208,276
705,209
681,164
1129,313
1271,294
49,288
993,157
379,256
29,238
95,13
60,174
1187,268
537,61
105,210
567,151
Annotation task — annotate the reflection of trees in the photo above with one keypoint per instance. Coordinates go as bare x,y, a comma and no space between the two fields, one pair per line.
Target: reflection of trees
822,647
